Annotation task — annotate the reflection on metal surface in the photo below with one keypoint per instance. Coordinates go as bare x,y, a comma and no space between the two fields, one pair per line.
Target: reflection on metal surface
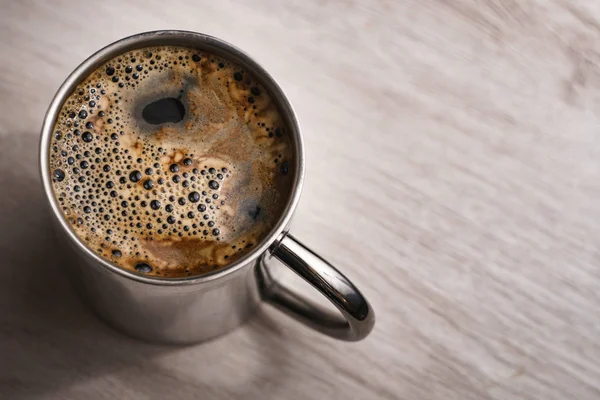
357,317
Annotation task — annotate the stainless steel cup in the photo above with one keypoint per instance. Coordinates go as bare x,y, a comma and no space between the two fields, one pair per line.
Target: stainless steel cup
193,309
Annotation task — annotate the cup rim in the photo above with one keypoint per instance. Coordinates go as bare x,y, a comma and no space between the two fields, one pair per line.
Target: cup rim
187,39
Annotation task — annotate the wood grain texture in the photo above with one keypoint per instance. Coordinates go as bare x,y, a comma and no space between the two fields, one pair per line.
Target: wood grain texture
453,165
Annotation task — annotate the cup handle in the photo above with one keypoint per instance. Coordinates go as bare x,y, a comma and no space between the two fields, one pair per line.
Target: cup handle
357,318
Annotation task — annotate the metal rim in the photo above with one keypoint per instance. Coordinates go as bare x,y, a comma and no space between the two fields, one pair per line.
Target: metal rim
201,42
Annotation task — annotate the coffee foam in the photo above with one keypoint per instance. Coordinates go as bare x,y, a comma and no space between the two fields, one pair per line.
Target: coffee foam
178,198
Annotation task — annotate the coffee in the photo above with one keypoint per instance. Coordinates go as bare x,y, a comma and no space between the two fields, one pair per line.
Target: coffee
171,162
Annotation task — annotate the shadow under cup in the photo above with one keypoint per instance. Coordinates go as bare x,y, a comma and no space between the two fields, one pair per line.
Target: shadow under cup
196,308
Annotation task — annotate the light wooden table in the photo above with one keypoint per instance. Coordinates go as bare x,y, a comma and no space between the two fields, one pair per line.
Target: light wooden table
453,172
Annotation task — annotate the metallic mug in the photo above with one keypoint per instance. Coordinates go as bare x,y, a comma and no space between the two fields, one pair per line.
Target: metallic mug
193,309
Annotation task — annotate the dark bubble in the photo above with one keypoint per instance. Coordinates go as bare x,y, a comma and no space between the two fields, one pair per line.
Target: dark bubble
213,184
194,197
181,201
113,193
255,91
148,184
115,78
202,207
285,168
187,161
84,164
117,253
190,214
92,104
76,132
87,137
87,209
196,58
143,267
97,150
83,114
106,217
114,136
155,204
106,168
128,69
135,176
168,109
237,76
174,168
89,125
169,208
220,176
176,178
110,184
254,212
124,203
216,232
171,219
149,171
122,180
211,223
70,160
110,71
206,216
59,175
212,170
